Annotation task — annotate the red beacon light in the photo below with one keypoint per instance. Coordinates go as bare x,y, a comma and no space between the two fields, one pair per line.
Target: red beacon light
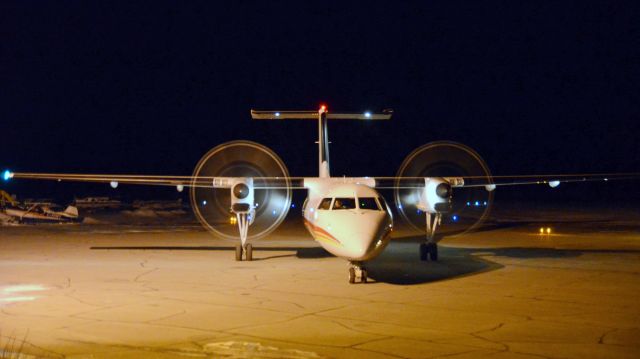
323,108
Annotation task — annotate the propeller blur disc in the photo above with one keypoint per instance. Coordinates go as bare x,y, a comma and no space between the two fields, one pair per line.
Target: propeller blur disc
212,206
470,206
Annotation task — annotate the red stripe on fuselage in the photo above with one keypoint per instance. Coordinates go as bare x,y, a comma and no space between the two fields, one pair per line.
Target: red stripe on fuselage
320,231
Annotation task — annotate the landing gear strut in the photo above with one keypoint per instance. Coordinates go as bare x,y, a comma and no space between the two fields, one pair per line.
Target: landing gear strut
357,273
244,220
429,249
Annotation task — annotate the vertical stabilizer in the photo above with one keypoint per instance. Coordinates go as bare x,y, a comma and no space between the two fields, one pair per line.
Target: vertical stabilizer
323,144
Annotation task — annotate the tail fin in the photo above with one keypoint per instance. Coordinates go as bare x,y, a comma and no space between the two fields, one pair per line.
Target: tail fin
71,211
323,144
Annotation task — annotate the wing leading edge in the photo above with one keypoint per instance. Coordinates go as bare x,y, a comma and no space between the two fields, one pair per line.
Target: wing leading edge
298,182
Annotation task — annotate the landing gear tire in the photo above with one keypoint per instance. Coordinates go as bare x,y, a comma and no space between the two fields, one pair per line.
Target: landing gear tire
249,252
429,251
423,252
433,253
238,253
357,274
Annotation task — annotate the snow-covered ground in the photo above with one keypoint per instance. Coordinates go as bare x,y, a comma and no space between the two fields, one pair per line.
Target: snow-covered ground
157,285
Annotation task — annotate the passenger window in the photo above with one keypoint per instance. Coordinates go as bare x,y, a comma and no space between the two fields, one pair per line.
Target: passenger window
368,203
344,203
325,203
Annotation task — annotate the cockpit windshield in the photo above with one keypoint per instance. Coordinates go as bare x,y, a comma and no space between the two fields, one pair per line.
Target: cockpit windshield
368,203
325,204
344,203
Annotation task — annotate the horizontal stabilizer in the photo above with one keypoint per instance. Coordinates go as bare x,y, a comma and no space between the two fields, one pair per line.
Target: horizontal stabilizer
313,115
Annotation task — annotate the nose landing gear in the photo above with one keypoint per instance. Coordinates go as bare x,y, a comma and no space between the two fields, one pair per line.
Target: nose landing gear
357,273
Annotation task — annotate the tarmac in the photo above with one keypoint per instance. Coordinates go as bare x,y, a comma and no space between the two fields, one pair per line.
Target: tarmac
100,291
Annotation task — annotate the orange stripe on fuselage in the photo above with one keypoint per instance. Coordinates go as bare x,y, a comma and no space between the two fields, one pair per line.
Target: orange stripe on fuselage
320,234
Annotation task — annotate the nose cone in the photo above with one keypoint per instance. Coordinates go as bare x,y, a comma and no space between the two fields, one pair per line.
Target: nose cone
367,240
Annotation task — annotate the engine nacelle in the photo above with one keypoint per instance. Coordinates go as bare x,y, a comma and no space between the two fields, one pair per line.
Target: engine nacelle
436,196
242,195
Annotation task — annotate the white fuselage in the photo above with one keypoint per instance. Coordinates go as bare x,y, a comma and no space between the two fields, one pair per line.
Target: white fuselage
349,220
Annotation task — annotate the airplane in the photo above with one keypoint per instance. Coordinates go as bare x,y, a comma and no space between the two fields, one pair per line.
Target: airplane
35,212
242,189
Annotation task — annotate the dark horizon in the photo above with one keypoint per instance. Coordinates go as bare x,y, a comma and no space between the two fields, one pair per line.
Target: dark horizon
149,87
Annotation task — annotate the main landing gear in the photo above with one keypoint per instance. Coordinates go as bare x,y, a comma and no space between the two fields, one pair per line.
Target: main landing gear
357,273
247,251
244,221
429,250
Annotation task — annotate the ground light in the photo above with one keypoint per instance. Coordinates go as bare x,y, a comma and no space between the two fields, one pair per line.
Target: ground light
544,231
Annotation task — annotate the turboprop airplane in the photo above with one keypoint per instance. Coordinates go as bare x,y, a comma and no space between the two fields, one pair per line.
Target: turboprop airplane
242,189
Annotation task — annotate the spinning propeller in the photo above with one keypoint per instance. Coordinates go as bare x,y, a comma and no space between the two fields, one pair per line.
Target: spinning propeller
240,161
468,207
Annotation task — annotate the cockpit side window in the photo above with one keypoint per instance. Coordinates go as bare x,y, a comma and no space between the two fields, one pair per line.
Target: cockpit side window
325,203
344,203
368,203
383,203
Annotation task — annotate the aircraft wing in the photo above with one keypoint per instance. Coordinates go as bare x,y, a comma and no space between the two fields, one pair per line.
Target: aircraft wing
298,182
551,180
491,182
154,180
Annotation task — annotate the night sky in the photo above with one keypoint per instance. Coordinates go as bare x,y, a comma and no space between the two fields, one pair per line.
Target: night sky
148,87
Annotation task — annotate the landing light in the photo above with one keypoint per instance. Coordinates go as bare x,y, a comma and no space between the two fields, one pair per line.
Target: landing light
277,114
367,114
7,175
204,203
114,184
